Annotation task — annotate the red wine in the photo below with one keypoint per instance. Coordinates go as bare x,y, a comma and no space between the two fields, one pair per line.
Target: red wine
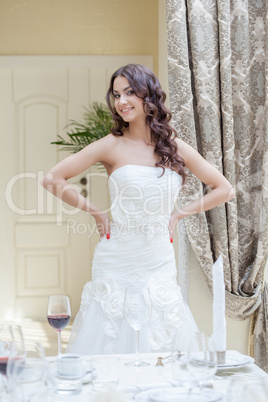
3,365
59,321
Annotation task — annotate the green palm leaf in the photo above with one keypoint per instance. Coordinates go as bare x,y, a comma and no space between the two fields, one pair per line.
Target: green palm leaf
97,124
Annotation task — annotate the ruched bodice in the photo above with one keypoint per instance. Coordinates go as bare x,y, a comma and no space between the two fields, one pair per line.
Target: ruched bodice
142,198
138,253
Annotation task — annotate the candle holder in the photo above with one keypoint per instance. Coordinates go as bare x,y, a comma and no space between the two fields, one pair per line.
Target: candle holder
221,357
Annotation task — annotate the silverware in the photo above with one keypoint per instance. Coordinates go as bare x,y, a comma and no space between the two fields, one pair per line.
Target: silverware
160,359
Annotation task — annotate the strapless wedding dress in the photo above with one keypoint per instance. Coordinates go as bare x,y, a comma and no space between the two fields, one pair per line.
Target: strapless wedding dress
138,253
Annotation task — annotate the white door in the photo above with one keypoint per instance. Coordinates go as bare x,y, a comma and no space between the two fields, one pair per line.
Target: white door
45,247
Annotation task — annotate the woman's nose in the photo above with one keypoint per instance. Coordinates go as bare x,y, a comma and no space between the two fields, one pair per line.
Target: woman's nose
122,100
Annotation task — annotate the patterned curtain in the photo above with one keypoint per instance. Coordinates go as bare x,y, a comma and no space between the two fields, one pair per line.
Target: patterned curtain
217,60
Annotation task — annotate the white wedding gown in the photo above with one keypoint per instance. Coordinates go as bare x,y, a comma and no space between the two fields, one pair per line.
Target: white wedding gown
139,253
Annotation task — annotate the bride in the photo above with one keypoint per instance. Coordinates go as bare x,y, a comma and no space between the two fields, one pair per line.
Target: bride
145,161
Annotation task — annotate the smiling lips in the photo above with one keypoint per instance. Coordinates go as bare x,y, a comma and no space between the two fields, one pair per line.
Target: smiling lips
126,109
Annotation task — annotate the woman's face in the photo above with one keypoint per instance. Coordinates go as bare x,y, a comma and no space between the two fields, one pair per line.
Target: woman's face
126,103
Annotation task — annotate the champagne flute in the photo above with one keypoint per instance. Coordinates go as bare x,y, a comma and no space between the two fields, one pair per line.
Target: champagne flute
59,314
197,358
137,312
181,375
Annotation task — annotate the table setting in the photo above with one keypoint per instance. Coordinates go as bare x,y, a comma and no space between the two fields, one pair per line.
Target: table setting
202,371
160,383
78,378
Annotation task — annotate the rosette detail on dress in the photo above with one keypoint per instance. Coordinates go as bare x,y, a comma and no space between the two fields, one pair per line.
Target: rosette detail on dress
104,290
168,312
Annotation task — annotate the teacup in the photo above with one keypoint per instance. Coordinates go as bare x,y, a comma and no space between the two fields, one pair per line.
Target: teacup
71,365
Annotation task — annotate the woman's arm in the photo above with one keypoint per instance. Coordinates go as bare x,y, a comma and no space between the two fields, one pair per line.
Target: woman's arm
55,180
221,189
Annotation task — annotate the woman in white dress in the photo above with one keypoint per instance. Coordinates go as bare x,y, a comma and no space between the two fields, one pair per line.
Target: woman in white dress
145,162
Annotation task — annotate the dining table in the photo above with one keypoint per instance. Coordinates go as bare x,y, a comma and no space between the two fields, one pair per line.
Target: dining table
134,380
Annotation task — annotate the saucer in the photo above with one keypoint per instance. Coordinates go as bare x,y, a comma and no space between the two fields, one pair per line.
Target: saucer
235,359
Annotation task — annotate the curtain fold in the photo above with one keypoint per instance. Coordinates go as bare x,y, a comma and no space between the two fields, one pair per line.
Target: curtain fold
217,60
259,332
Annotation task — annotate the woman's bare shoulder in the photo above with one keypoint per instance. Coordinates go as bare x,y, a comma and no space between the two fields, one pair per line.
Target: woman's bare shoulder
111,149
104,145
110,140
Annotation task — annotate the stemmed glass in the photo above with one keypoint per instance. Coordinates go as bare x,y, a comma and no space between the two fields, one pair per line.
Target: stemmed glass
137,312
59,314
201,358
179,361
28,374
6,346
197,362
6,350
18,350
11,347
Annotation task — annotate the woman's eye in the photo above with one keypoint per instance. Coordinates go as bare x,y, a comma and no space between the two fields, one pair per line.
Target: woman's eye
117,96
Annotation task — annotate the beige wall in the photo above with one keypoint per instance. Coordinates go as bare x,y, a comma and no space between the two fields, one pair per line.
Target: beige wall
79,27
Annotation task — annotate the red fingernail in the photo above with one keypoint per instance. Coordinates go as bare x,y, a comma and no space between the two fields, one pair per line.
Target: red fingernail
108,236
171,240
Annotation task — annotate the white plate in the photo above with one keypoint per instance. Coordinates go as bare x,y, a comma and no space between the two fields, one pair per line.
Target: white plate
235,359
178,394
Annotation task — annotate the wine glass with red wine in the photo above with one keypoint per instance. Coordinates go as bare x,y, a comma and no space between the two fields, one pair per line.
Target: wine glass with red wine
59,314
18,350
6,351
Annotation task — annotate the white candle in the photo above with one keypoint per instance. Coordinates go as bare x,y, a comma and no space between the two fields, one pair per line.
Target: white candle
219,321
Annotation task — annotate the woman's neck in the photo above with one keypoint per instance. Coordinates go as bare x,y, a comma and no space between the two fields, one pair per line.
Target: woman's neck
139,131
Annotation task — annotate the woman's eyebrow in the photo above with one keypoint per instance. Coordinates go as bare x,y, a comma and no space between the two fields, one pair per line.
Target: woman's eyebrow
125,89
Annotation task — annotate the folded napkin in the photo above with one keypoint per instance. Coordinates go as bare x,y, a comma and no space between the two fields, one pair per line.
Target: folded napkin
219,321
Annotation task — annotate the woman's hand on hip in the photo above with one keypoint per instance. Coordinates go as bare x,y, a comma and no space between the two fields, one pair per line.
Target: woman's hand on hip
175,217
103,224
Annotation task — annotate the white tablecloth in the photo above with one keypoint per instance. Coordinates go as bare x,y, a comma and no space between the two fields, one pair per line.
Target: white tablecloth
137,379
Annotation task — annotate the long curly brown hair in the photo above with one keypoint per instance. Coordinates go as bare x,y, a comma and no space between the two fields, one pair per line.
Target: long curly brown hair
147,87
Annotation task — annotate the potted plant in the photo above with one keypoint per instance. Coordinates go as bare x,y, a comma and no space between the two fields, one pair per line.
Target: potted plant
97,124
